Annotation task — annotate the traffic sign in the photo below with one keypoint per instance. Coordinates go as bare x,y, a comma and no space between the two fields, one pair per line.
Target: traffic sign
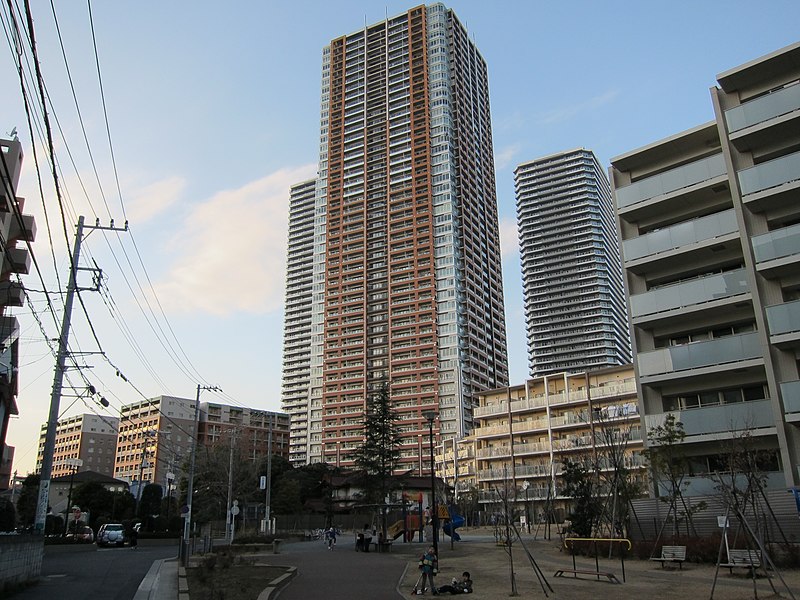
234,510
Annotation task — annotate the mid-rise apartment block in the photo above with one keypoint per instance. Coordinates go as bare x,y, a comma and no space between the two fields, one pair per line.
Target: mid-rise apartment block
407,288
527,433
256,433
710,227
575,314
155,438
16,231
88,438
296,384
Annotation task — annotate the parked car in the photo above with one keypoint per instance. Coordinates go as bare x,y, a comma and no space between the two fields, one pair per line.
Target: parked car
111,534
83,533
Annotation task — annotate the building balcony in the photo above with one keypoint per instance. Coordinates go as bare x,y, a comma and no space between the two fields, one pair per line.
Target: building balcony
772,184
718,422
790,392
12,293
668,247
16,260
698,356
708,485
777,253
783,321
706,172
764,119
696,294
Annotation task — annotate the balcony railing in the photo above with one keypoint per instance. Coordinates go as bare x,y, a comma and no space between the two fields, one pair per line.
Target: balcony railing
672,180
700,354
777,244
770,174
680,235
784,318
790,391
690,293
733,418
763,108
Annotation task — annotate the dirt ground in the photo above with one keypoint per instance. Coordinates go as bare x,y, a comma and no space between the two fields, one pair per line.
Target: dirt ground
491,569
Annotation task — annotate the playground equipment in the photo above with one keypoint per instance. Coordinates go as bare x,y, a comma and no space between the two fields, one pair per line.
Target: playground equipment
454,521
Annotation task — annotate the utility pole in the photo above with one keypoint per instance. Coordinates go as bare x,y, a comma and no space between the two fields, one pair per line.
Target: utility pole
61,366
267,521
187,524
230,516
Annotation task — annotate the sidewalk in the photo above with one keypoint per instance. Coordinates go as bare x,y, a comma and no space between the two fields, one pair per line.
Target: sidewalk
344,574
161,581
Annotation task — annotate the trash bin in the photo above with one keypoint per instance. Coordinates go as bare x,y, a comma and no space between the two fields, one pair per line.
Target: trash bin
276,544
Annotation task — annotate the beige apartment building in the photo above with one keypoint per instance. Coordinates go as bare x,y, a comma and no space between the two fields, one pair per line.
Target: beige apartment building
83,443
155,439
258,432
526,433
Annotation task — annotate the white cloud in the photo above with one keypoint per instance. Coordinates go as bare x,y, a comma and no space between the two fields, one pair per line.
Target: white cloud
154,199
504,157
567,112
509,238
230,255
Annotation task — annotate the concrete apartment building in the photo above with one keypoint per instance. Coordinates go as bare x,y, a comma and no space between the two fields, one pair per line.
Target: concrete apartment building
155,438
296,378
88,438
575,314
526,433
710,226
16,231
407,286
257,433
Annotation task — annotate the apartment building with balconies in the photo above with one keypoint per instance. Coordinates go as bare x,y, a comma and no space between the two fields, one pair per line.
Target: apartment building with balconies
88,438
16,231
407,288
709,221
575,317
526,433
155,440
296,376
256,433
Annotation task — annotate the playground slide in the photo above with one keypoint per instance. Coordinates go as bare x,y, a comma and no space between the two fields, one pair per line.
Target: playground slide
455,522
396,530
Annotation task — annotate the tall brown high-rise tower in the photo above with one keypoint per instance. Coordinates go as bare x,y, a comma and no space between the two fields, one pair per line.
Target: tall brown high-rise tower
407,285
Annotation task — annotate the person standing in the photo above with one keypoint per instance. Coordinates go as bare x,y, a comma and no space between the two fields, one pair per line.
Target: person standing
429,565
330,536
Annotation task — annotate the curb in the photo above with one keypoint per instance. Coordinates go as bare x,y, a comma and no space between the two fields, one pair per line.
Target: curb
150,580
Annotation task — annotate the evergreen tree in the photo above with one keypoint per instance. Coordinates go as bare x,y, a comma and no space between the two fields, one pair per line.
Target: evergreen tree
379,454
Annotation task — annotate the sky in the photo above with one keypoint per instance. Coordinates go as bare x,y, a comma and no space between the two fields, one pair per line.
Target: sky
212,111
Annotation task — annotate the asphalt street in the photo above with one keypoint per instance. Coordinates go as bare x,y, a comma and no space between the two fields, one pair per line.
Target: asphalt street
81,572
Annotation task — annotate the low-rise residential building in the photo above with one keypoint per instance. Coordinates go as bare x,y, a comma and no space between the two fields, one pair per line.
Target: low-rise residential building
258,432
526,434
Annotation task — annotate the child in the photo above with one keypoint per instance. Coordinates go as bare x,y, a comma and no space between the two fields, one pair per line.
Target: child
330,536
429,565
459,587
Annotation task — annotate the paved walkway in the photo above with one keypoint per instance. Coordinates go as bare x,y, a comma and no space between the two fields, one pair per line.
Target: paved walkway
345,574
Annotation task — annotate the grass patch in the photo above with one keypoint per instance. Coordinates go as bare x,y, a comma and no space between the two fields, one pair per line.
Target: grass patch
222,578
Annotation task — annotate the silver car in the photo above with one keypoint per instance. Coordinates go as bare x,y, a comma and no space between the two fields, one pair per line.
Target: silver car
111,534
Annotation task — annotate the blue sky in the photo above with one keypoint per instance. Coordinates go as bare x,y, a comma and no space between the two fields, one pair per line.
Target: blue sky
214,111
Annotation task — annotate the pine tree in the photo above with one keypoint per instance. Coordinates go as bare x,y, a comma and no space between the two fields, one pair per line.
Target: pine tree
379,454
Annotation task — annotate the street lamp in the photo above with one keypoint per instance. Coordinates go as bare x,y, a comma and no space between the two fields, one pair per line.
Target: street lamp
430,416
525,485
190,486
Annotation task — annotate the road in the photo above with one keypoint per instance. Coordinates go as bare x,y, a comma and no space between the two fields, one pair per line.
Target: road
81,572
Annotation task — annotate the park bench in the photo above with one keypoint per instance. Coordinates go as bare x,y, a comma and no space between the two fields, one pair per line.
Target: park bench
671,554
750,559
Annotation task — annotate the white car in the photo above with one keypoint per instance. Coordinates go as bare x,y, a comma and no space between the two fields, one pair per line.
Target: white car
111,534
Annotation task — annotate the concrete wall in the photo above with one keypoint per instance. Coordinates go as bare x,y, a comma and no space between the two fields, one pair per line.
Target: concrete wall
20,559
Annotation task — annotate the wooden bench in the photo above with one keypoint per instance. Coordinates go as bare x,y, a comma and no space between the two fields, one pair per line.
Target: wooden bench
750,559
672,554
610,576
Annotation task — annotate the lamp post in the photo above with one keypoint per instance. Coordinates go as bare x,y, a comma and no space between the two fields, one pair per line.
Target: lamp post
430,416
525,485
74,465
190,485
